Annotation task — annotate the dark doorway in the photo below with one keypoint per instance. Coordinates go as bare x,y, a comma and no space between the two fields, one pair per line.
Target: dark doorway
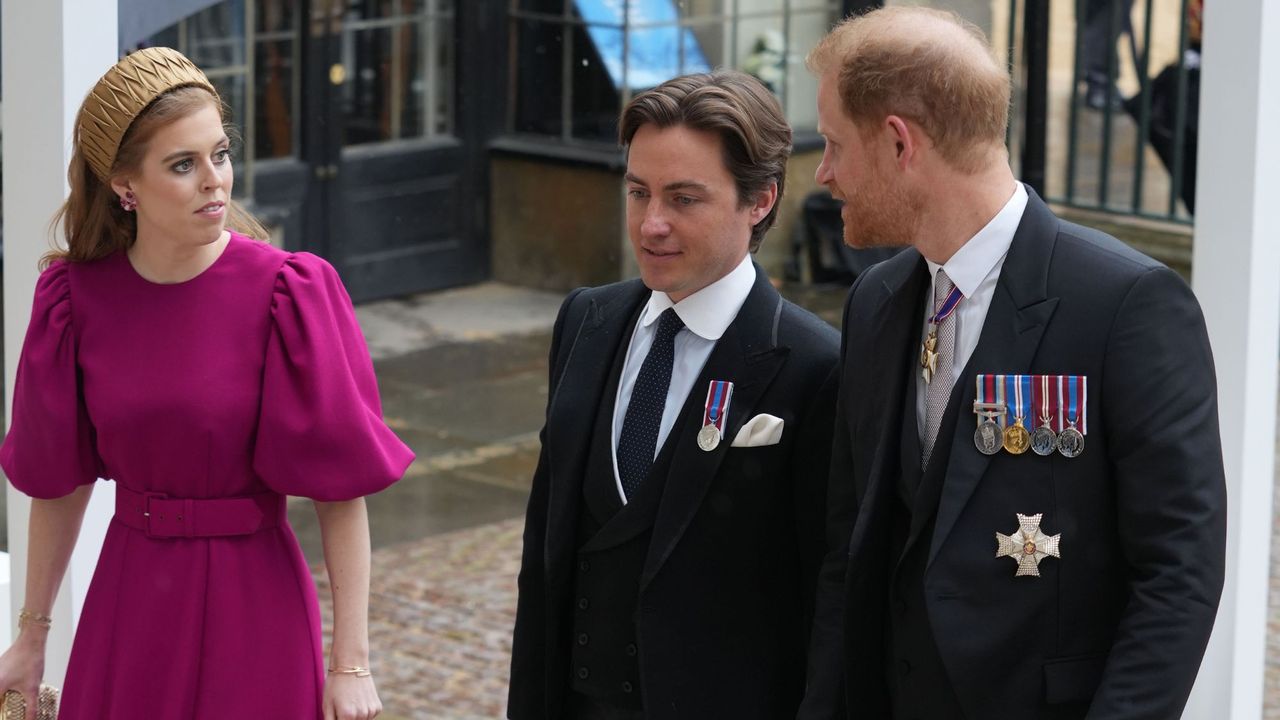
393,201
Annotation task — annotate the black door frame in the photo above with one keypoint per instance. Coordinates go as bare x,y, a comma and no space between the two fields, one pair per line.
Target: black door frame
319,134
481,93
480,30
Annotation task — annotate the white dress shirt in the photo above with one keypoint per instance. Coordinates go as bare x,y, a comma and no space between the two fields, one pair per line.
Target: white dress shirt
975,269
706,313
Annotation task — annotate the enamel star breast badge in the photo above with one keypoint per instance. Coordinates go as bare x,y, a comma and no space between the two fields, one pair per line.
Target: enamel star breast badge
1028,545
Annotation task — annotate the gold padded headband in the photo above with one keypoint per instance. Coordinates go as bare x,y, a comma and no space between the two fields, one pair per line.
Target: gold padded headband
123,92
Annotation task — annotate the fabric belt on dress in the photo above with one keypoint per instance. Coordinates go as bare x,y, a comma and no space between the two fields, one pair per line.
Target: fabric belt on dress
161,516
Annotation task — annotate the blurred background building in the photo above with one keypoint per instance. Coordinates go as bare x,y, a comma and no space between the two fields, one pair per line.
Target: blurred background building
424,144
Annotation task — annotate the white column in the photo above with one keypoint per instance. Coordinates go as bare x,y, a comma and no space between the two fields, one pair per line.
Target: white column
1235,266
53,53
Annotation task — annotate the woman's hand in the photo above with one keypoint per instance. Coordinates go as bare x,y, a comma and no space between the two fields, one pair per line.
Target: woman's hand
22,667
344,532
348,697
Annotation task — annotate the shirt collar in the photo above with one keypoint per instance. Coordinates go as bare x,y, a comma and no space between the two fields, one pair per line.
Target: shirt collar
975,260
708,312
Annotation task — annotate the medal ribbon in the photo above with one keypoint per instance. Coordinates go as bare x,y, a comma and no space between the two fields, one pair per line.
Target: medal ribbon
1084,405
1012,394
1077,391
1000,400
1043,403
1063,399
1017,389
1060,380
1024,396
1073,399
984,393
718,396
948,306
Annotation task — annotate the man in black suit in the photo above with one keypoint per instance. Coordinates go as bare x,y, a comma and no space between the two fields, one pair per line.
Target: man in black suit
674,528
1073,568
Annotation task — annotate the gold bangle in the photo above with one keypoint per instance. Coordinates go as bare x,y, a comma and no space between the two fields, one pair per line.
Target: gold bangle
26,617
351,670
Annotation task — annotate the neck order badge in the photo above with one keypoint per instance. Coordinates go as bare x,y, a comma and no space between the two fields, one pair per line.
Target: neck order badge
929,348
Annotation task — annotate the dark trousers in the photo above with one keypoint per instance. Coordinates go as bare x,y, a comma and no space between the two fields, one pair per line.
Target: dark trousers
583,707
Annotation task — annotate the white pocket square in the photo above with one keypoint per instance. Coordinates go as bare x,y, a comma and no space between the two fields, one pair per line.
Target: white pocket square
763,429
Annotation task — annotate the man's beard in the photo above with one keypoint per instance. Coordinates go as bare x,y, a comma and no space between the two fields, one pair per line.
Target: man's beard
884,217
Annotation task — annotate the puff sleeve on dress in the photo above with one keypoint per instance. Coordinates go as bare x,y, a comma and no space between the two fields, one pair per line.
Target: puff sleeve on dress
49,450
320,430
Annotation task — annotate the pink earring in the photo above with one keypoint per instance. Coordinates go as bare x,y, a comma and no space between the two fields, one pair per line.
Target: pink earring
129,202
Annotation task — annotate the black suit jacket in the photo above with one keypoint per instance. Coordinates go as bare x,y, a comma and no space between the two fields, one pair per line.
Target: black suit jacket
725,600
1119,623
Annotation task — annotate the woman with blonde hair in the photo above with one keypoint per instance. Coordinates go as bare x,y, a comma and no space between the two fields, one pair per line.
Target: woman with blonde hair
209,375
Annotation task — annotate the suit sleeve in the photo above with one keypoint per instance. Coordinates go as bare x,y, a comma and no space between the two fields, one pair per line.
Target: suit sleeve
527,693
1160,407
810,465
825,692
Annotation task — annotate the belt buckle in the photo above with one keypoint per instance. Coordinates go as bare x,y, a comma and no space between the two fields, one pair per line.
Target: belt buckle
147,497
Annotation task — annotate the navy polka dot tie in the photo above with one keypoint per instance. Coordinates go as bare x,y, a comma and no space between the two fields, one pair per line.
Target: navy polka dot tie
639,437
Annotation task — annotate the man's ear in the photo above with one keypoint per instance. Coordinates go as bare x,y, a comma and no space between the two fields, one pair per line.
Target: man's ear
905,138
765,200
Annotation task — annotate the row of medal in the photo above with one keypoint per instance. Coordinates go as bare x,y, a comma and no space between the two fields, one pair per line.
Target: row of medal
1041,413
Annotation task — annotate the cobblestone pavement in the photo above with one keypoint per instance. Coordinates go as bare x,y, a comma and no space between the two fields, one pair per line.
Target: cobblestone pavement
440,618
463,377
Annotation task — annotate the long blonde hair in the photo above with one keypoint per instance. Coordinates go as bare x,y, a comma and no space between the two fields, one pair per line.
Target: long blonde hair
93,223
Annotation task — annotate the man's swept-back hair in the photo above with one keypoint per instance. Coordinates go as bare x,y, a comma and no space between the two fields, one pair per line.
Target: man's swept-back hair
925,65
754,134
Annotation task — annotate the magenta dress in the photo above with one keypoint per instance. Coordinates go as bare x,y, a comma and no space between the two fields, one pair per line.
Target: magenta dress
252,377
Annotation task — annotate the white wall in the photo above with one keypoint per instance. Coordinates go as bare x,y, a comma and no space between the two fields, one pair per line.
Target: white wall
1235,265
53,53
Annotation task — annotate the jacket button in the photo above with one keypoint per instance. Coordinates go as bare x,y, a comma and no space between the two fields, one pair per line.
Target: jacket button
583,603
584,566
582,638
631,649
900,606
626,686
904,667
583,673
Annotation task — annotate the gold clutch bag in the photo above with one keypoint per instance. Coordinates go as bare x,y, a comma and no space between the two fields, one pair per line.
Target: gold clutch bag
14,706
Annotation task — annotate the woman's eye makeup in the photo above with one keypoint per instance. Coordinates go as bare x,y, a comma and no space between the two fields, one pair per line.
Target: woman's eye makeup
220,156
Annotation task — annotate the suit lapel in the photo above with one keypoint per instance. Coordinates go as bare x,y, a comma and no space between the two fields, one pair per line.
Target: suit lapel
892,354
746,356
1019,313
574,409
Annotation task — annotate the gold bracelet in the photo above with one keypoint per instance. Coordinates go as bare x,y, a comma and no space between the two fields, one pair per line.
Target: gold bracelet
26,617
351,670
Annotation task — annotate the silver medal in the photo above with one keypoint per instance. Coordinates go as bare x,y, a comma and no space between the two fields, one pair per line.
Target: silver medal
988,438
1070,442
709,437
1044,441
